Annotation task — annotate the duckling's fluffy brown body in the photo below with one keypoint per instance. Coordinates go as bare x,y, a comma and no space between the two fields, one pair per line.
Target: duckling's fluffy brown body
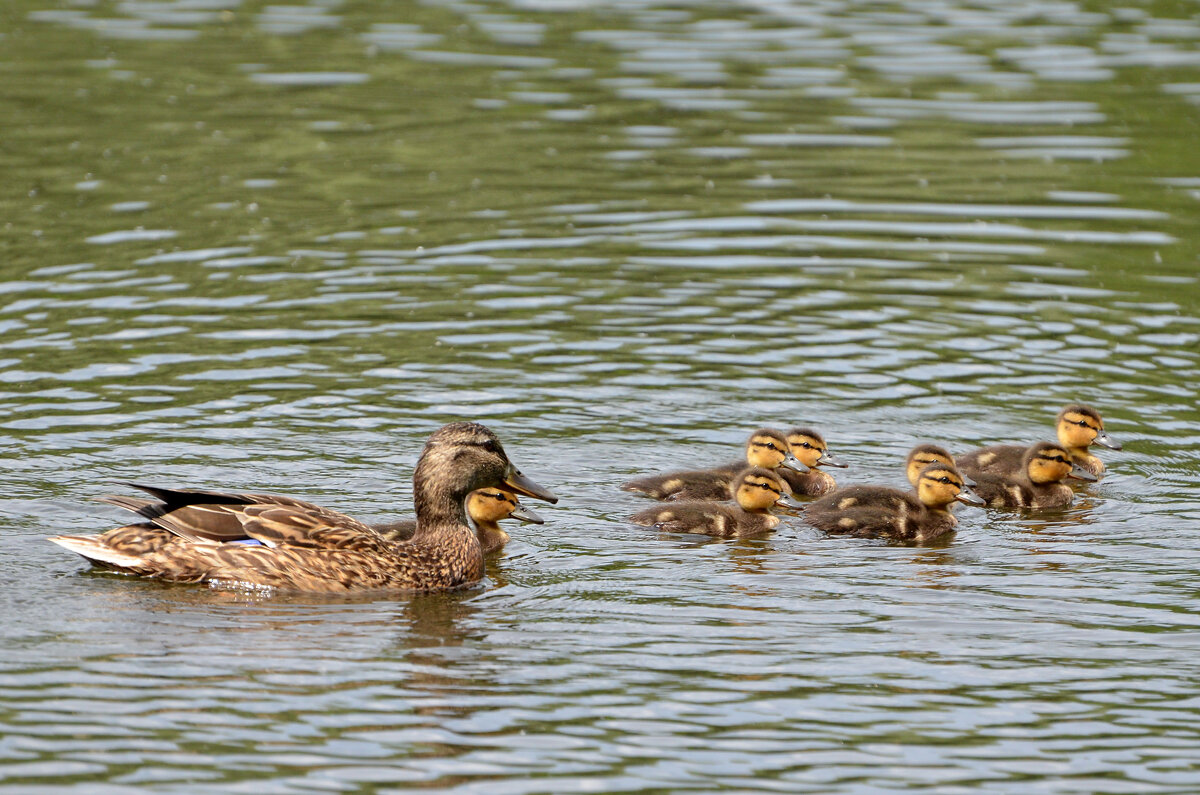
196,536
755,490
766,448
881,512
1037,483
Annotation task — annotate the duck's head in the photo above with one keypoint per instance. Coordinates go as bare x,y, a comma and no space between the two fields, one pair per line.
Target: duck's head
1047,462
1080,426
923,455
488,506
938,485
464,456
757,490
769,449
810,449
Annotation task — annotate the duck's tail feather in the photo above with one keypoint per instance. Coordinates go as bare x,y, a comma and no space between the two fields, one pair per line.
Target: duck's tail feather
95,550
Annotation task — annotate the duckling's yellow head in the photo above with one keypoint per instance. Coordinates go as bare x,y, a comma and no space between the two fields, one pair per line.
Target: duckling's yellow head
464,456
488,506
1050,463
922,456
810,449
769,449
938,485
757,490
1080,426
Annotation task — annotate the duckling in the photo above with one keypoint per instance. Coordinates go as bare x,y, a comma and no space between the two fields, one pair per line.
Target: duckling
271,541
1077,427
1040,482
923,455
766,448
880,512
486,508
810,449
755,490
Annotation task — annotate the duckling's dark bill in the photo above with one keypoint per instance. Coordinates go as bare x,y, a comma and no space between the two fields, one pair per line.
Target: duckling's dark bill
1104,440
968,497
526,487
827,460
1079,473
526,514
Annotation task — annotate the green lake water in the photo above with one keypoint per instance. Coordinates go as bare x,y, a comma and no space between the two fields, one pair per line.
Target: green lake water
273,247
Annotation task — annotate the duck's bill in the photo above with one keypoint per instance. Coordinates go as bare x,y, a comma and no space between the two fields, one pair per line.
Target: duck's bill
526,487
968,497
526,515
793,463
970,483
828,460
1104,440
788,501
1079,473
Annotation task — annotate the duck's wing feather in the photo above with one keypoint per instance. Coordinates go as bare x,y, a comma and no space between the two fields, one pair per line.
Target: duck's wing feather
273,520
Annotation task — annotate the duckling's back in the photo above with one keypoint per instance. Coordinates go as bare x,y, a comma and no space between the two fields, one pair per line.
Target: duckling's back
878,512
1004,460
694,484
720,519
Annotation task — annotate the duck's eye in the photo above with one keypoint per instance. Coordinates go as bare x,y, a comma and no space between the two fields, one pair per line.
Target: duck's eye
943,479
492,446
1083,424
771,446
806,445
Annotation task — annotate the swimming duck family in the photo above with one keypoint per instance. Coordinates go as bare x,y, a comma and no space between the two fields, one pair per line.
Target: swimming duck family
755,491
766,448
274,541
486,508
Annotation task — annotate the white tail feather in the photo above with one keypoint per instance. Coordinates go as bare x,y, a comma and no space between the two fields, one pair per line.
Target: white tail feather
94,550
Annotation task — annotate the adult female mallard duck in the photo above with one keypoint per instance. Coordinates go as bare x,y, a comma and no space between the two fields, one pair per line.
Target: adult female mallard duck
486,508
755,491
810,449
923,455
766,448
1039,483
272,541
880,512
1077,427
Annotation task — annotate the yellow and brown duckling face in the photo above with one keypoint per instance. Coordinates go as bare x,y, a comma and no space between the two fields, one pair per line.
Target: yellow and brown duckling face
938,485
488,506
757,490
1080,427
1051,463
769,449
810,449
923,455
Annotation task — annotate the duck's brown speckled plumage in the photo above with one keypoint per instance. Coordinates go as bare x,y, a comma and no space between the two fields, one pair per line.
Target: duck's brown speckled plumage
755,491
486,508
1038,483
766,448
810,449
190,535
1077,427
880,512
